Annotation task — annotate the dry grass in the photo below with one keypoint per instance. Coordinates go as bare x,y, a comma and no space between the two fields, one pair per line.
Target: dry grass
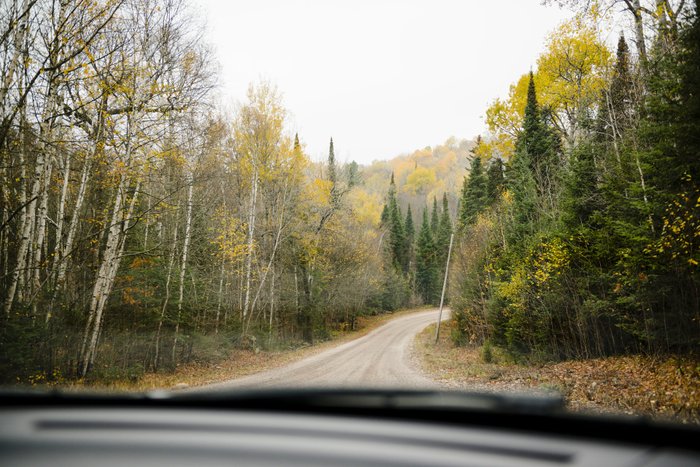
661,388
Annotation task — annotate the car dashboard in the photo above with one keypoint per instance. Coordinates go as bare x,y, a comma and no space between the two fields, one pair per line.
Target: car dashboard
342,429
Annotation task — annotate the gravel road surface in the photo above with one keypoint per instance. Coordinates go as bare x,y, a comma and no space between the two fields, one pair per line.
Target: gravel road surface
382,358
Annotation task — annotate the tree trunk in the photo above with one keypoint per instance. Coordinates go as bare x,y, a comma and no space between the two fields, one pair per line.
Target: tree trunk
250,240
183,262
171,263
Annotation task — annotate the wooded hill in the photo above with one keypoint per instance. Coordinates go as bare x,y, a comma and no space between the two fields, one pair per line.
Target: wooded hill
140,228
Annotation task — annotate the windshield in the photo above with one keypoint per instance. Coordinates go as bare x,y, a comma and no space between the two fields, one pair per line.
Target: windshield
483,196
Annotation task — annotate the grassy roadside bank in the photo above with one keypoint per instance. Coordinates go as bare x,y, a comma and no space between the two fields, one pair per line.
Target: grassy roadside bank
661,388
239,363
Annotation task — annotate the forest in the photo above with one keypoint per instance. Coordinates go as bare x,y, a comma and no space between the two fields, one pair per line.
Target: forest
143,227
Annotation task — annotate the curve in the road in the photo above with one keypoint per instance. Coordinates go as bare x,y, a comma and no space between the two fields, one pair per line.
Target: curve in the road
379,359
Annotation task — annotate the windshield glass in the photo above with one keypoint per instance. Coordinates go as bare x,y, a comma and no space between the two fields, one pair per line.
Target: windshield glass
484,196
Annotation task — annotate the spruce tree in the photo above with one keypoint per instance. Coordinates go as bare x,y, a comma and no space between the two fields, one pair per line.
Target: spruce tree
385,215
540,142
332,172
410,231
495,180
474,194
444,229
333,176
426,273
410,228
397,234
434,217
524,189
581,196
442,241
620,105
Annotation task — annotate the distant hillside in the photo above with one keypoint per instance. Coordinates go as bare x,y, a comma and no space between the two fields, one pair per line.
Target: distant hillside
420,176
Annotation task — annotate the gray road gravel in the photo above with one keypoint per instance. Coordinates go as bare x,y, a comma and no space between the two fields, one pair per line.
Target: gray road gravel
382,358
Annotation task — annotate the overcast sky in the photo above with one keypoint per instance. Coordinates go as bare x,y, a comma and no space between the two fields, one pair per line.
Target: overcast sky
382,77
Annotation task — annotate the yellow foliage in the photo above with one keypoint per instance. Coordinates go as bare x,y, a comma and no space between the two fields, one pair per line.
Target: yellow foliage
420,180
570,75
549,260
231,237
366,207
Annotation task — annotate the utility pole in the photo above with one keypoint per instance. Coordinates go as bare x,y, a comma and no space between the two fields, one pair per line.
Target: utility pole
444,286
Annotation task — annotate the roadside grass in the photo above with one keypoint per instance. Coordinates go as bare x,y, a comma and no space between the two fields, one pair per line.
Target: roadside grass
663,388
239,363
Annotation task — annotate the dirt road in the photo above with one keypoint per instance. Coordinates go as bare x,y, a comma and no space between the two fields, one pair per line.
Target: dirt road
381,358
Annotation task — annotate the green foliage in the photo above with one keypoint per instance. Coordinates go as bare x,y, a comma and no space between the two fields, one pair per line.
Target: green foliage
495,181
434,218
474,194
426,267
598,256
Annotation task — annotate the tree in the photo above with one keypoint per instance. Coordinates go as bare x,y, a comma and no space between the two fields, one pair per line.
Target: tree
426,267
442,239
434,217
397,233
474,194
571,75
495,181
540,143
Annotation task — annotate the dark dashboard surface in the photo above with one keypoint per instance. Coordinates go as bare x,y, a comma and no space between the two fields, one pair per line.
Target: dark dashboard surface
338,428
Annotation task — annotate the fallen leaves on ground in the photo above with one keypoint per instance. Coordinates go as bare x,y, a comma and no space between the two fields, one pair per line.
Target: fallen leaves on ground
663,388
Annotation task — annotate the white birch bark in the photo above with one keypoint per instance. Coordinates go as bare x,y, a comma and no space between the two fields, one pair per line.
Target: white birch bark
250,240
116,240
183,261
166,299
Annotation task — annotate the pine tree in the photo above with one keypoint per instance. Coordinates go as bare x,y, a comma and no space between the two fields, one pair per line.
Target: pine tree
410,231
474,194
333,176
426,272
524,189
444,229
434,217
620,106
495,180
541,144
385,215
397,234
410,228
582,196
442,241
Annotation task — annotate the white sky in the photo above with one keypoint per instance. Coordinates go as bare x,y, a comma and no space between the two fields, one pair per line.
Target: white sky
382,77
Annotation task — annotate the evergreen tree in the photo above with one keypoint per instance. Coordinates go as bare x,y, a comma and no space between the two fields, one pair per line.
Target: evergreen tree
333,176
410,228
619,109
332,172
582,196
444,231
434,217
410,231
442,241
541,144
353,172
474,194
397,234
385,215
522,184
495,180
426,272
